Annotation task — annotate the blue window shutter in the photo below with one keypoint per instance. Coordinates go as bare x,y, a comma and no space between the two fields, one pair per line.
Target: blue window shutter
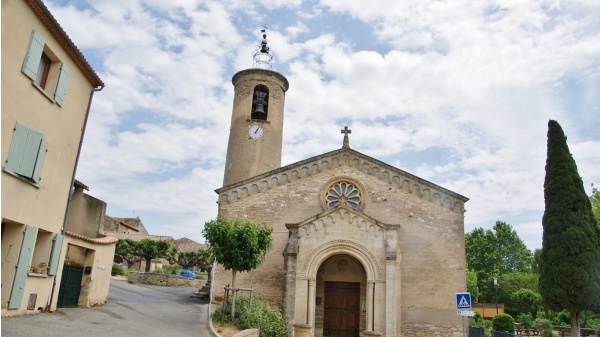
55,254
61,87
24,151
22,267
33,56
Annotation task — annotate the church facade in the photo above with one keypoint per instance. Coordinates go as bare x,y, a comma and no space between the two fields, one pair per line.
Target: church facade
359,246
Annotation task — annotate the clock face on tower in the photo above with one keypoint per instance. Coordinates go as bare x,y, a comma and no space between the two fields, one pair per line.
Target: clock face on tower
255,131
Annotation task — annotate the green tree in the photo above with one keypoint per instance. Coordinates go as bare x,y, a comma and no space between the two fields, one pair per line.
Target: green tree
202,258
595,200
481,257
492,253
512,252
511,282
149,249
472,285
537,258
237,245
124,249
527,299
187,260
570,263
205,262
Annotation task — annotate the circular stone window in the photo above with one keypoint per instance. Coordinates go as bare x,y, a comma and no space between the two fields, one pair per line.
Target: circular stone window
343,193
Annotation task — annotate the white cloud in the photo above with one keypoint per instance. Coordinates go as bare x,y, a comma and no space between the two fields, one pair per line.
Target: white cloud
459,91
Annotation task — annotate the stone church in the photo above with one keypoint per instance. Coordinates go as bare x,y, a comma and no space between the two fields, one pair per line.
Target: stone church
360,247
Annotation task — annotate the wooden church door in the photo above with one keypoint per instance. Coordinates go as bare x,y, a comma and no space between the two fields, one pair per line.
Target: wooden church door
342,309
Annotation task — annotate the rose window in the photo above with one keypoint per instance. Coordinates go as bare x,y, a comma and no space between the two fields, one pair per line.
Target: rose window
343,193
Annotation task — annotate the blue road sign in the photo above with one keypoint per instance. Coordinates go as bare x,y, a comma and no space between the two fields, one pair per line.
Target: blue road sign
463,300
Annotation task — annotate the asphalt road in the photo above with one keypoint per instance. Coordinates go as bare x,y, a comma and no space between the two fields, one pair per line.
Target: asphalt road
132,310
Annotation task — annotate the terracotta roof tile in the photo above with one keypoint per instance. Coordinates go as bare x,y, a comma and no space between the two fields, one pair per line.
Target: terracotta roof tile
100,241
140,237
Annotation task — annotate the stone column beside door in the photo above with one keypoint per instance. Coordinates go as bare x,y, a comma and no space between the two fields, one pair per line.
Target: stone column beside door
302,330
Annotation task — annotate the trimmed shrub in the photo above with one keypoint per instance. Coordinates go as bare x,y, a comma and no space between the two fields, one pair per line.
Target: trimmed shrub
544,327
260,316
116,270
525,319
503,323
562,318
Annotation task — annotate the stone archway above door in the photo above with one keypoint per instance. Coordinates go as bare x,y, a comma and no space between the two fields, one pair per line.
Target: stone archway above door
339,247
335,232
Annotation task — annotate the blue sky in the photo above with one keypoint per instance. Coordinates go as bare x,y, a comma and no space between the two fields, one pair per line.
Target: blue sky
457,92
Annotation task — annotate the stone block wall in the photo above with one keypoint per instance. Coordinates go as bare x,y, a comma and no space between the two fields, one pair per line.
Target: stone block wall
424,329
164,280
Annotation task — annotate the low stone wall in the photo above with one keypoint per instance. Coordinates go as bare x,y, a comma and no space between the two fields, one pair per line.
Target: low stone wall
164,280
429,330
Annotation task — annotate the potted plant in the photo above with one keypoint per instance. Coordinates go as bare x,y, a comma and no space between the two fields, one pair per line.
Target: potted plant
41,268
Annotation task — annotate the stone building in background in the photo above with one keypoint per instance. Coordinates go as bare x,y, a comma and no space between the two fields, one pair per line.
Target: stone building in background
87,253
124,225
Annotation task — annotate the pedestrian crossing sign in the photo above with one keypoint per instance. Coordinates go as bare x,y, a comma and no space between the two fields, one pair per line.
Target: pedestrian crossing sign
463,300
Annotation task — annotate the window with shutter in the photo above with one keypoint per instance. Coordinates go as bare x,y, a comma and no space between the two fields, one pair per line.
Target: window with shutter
61,88
33,57
16,294
26,153
45,70
55,254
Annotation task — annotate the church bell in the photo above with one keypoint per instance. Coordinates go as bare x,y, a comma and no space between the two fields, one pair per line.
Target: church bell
259,107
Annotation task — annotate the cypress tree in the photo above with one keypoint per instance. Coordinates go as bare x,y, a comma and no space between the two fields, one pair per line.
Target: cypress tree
570,259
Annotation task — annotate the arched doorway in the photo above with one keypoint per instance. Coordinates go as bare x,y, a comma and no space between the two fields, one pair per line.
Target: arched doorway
340,297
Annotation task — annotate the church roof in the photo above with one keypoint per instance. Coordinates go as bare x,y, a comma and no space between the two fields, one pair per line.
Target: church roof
343,156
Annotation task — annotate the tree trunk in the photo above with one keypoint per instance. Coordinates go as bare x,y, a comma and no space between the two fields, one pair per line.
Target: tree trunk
233,293
575,330
148,263
209,276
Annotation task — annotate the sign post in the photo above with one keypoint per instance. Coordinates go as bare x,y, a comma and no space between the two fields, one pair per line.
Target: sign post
463,301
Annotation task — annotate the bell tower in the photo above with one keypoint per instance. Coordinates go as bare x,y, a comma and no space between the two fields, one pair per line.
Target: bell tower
256,133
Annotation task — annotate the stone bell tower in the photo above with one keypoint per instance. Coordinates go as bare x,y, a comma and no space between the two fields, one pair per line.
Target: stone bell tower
256,133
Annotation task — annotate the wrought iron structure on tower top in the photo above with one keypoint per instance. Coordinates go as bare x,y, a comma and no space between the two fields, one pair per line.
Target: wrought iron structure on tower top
263,56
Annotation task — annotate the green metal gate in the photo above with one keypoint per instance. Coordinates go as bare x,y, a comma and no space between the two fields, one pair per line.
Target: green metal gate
70,286
476,331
